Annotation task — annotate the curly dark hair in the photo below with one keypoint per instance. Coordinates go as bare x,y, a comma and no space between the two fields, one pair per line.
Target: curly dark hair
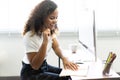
39,14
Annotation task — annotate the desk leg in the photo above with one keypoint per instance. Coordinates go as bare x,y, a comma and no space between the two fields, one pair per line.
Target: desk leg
59,62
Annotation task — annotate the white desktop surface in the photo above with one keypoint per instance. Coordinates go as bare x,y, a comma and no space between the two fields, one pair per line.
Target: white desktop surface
95,67
81,55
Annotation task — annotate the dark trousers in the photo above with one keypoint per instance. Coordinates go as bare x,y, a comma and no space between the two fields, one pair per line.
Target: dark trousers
45,72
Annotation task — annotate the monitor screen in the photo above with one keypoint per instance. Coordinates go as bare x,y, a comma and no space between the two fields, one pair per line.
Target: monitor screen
87,31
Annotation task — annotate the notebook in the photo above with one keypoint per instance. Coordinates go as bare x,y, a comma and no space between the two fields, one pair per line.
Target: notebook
82,71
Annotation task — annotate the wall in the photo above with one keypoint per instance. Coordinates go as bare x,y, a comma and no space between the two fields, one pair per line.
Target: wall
12,51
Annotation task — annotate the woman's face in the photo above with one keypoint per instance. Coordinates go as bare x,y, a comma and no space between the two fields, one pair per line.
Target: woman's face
51,20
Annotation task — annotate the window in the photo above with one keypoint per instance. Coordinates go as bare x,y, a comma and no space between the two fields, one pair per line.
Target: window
14,14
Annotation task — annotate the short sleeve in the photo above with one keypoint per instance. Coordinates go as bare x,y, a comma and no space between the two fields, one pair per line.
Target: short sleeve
31,43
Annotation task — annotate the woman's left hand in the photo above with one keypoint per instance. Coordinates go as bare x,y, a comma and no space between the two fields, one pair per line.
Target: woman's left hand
69,65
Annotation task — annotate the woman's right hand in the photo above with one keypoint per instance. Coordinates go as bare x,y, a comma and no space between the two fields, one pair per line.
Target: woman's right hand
46,34
69,65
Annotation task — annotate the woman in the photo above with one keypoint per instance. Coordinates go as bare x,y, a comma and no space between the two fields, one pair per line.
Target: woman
39,37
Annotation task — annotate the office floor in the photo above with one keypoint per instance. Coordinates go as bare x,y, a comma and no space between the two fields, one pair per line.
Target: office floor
10,78
17,78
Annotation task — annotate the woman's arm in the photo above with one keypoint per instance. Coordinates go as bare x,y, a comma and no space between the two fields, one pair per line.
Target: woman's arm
36,58
67,64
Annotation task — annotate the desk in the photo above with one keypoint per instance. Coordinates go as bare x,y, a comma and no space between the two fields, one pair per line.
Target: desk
95,67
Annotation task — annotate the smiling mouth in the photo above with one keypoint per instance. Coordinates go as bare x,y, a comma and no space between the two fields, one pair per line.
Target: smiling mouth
52,26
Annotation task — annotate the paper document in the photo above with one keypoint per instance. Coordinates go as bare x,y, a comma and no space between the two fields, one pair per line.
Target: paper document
82,71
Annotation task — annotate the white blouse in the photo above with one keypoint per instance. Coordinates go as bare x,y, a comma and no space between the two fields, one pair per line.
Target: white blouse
33,44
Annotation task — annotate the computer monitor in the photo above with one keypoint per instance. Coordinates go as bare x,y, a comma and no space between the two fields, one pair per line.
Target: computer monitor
87,32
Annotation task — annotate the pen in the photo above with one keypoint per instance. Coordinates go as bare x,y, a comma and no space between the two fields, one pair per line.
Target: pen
79,63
